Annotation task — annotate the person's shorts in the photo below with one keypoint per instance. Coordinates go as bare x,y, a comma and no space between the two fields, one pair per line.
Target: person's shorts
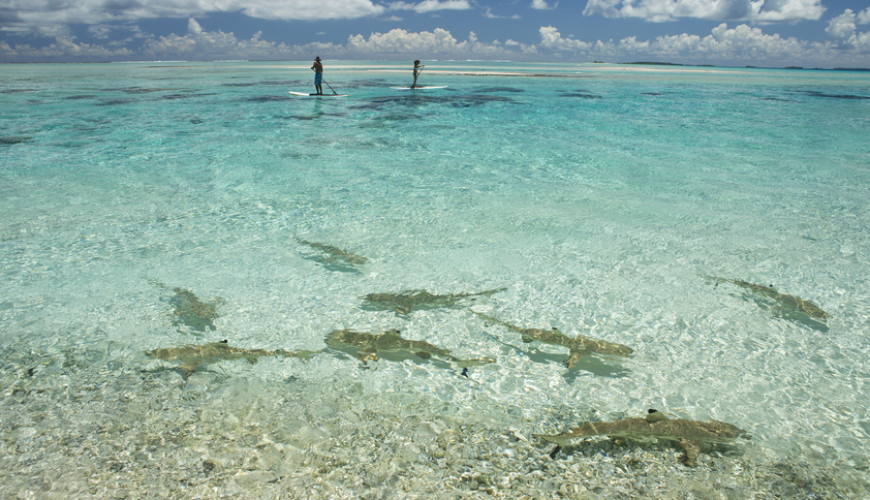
318,79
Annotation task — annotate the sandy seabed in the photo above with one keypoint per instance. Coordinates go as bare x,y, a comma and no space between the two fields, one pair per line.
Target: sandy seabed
77,426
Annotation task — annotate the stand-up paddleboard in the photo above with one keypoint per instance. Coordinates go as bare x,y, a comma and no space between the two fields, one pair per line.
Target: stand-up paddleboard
418,88
304,94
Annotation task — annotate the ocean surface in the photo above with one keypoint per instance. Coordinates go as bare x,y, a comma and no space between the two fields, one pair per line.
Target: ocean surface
713,220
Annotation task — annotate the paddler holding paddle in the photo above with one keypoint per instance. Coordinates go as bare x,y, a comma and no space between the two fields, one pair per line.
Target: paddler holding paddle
318,75
418,68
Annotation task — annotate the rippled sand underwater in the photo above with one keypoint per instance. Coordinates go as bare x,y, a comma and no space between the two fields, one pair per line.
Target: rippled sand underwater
211,288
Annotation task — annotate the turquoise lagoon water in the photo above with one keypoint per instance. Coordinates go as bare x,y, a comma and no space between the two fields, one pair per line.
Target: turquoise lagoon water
598,196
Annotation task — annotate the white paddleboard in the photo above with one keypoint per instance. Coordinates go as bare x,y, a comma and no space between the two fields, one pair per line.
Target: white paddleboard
305,94
418,88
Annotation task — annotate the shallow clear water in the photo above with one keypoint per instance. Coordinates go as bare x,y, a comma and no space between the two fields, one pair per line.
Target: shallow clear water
598,196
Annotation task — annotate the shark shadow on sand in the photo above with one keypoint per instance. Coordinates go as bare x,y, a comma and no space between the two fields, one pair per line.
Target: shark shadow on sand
416,300
784,306
391,346
578,348
690,434
190,357
190,311
334,258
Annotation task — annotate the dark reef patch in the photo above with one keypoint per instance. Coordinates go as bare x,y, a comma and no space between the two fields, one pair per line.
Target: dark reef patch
488,90
13,139
268,98
815,93
394,117
582,94
139,90
418,100
114,102
184,96
85,96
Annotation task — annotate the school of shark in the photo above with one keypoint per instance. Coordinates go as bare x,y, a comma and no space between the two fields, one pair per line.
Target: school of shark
196,316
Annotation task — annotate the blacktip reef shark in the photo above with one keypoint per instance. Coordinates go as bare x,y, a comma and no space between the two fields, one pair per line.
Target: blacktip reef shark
191,357
409,300
577,347
690,434
784,302
191,311
335,255
390,345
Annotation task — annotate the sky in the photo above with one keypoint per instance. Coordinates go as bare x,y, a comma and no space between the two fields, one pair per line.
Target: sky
764,33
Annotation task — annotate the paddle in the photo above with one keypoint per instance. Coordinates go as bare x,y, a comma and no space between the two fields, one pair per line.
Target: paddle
418,75
324,81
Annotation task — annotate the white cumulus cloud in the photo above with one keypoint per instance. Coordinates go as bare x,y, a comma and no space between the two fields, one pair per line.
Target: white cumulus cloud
843,30
33,14
723,45
741,45
542,5
431,5
307,10
489,15
552,39
193,27
759,11
63,49
438,42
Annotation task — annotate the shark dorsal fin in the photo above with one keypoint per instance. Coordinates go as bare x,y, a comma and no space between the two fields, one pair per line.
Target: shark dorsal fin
392,334
559,333
653,416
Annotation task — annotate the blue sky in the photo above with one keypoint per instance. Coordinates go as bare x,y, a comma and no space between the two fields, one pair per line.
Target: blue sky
809,33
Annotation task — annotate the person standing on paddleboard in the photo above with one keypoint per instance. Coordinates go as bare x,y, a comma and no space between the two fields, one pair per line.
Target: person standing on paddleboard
417,70
318,75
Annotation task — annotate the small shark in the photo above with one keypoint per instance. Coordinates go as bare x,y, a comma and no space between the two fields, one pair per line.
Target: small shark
787,301
190,310
690,434
335,254
409,300
192,357
577,347
390,344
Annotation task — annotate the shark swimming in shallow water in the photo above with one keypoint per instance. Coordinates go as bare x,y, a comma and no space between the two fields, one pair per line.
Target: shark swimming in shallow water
370,347
409,300
690,434
577,347
193,312
784,301
335,254
190,310
191,357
